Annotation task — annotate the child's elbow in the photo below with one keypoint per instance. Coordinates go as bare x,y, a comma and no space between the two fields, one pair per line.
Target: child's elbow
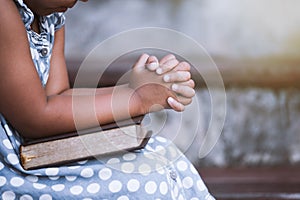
32,126
31,130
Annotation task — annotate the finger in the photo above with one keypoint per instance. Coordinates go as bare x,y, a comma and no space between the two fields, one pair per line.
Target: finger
141,61
183,90
190,83
167,58
152,59
183,66
175,105
178,76
184,101
152,63
167,66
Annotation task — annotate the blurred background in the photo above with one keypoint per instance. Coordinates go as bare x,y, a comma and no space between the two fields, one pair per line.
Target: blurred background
256,46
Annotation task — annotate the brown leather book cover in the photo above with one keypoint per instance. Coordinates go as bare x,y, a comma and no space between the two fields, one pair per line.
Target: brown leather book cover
127,135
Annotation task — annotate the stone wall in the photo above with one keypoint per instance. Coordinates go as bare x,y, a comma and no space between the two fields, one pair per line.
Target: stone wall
261,128
230,28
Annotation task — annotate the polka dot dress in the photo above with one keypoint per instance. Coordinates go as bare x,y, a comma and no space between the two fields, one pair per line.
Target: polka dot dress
159,171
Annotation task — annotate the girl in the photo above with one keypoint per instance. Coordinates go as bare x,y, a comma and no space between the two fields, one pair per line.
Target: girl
36,100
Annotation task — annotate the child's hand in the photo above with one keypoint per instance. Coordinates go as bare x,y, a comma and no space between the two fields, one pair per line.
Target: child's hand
177,73
150,88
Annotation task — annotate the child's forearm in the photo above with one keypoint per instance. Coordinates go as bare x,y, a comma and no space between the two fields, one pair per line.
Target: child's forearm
91,91
65,113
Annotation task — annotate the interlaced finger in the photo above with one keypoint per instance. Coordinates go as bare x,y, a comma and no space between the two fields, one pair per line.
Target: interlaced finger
167,58
184,101
183,66
190,83
152,63
175,105
167,66
178,76
183,90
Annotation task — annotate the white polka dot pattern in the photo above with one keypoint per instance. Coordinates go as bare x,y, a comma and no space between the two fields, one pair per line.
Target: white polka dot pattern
52,171
76,190
13,159
8,195
32,178
115,186
150,187
2,180
105,174
1,164
123,198
87,172
39,186
71,178
7,144
16,181
26,197
144,169
133,185
155,173
163,188
58,187
129,156
187,182
182,165
127,167
45,197
113,161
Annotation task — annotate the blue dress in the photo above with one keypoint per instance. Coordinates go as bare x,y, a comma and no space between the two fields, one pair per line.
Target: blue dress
159,171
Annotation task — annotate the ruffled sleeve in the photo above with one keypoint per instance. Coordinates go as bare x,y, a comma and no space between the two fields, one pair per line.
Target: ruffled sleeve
59,20
56,19
25,12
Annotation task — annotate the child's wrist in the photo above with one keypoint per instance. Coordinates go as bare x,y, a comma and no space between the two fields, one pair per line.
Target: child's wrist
136,104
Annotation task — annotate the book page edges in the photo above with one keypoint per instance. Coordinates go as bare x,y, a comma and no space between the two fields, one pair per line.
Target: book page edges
82,147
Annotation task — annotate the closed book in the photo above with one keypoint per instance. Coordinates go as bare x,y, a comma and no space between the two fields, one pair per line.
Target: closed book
66,148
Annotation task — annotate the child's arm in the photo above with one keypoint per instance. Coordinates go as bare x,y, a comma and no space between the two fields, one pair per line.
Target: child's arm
25,103
58,82
37,112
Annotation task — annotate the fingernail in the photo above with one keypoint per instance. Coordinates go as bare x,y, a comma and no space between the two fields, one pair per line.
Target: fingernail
177,106
175,87
152,65
194,92
171,100
166,78
159,71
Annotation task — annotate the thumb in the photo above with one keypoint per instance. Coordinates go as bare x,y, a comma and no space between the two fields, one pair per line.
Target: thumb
152,63
141,61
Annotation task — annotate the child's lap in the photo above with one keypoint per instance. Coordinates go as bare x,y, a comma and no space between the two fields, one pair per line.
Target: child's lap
160,171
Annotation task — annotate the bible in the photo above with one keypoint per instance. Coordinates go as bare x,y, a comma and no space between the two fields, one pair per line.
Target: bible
127,135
